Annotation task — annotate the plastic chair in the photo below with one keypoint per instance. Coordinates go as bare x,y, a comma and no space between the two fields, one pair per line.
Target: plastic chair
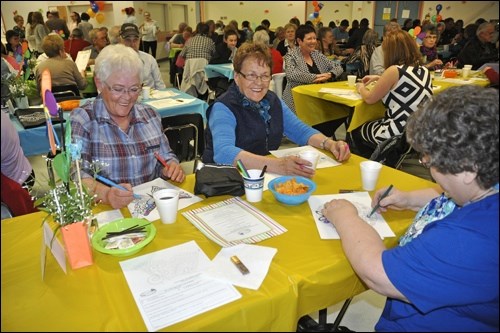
66,92
185,133
278,83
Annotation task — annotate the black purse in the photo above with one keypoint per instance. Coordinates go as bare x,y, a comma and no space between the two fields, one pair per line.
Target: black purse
216,179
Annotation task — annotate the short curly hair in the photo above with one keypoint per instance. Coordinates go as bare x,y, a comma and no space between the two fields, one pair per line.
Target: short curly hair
458,130
253,50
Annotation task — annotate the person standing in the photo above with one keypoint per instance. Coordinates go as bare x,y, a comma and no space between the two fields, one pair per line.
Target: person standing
130,12
149,29
74,21
85,26
58,25
19,27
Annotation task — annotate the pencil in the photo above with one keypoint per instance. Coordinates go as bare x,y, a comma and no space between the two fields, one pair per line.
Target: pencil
113,184
162,161
242,168
377,206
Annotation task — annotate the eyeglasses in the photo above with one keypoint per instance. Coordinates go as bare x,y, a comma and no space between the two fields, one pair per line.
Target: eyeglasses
430,37
425,164
254,77
118,91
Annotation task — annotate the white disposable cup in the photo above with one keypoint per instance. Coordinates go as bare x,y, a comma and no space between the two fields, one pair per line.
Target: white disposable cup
92,67
446,48
167,203
465,72
146,92
370,171
311,156
254,185
351,80
468,66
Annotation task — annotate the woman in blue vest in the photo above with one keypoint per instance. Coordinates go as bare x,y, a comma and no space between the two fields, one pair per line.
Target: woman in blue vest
248,121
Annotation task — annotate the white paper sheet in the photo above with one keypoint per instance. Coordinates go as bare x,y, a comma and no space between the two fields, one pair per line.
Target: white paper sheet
255,257
169,102
323,162
344,93
108,216
233,221
361,200
169,286
82,59
162,93
137,206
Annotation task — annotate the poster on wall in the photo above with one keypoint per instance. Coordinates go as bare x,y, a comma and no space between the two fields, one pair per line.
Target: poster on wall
386,16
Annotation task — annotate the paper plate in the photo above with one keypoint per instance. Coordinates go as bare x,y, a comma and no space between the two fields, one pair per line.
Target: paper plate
119,225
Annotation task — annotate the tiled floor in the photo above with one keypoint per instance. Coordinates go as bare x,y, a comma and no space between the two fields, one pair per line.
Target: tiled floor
364,310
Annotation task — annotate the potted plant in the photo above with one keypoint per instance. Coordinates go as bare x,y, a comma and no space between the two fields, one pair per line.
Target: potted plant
69,204
19,90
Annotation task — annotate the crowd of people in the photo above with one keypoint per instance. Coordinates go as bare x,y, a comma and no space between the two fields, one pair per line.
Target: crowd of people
455,232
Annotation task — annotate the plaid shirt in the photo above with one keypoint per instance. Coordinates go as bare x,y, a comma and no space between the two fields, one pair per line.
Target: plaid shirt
198,46
127,157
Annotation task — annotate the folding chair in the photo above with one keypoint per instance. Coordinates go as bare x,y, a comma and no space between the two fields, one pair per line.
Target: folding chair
278,83
185,133
66,92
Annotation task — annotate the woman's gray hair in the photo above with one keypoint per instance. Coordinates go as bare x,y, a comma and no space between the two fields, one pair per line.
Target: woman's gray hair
458,130
261,36
118,58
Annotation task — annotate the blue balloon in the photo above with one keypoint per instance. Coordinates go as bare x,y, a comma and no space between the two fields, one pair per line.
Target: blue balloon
311,16
95,7
316,14
439,7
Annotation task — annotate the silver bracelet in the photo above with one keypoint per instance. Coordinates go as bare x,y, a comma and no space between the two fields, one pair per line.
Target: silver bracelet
322,145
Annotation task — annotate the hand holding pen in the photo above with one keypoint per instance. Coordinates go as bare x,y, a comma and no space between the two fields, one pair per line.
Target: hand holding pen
382,195
172,170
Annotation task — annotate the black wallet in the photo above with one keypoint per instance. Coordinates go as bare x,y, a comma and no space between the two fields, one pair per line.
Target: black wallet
216,179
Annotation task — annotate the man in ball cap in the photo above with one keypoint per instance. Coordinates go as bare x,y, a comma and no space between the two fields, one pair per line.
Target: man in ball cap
130,37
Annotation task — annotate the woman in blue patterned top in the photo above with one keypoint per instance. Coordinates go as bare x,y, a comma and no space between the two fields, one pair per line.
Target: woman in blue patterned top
248,121
118,132
443,276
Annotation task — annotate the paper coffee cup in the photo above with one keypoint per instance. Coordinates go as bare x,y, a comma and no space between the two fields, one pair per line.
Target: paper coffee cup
465,73
351,80
254,185
146,92
167,203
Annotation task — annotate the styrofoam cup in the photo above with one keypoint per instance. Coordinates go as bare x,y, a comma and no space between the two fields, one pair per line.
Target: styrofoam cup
254,185
146,92
468,66
351,80
167,203
311,156
370,171
465,72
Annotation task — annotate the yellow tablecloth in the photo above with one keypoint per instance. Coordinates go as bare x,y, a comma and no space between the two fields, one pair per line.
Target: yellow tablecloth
307,273
314,107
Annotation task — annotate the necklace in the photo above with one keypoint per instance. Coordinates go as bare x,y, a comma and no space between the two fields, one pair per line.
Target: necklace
485,194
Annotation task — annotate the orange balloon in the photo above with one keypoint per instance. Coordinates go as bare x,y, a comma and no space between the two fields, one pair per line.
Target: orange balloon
439,18
25,46
90,12
417,30
99,17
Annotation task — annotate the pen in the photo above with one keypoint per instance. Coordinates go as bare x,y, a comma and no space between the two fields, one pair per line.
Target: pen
111,183
242,168
162,161
377,206
347,191
263,171
241,267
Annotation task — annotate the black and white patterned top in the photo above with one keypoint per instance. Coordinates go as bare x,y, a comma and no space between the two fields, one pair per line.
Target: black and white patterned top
412,89
298,73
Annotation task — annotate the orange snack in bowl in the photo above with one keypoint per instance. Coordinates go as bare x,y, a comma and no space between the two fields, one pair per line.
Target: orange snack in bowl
450,73
291,187
69,105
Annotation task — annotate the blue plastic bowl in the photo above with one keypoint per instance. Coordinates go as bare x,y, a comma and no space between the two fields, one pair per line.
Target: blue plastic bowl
292,199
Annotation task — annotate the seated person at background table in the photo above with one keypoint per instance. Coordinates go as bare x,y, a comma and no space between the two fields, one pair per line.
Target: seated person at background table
480,49
358,63
99,38
458,43
443,276
177,40
289,43
377,60
62,68
249,120
428,49
75,43
130,36
263,37
122,134
304,64
18,177
402,87
327,44
224,54
356,39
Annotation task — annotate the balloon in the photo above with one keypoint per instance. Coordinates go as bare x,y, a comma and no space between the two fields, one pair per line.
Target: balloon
99,17
433,18
439,7
421,35
316,14
439,18
411,31
311,16
321,5
316,9
94,7
90,12
417,30
25,46
101,5
314,3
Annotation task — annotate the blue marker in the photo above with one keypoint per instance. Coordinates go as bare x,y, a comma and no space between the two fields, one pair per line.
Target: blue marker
111,183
